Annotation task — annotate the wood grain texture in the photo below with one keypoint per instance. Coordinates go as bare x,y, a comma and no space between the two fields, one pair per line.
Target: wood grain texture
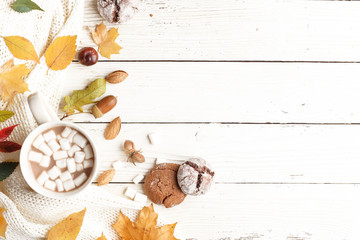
236,30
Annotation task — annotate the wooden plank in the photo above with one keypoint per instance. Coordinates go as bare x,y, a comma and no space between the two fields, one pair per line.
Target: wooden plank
292,212
242,153
237,30
227,92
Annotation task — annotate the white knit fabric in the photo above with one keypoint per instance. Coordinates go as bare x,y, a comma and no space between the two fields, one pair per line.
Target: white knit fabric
30,215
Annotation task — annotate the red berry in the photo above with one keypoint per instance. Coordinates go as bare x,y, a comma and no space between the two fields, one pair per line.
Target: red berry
88,56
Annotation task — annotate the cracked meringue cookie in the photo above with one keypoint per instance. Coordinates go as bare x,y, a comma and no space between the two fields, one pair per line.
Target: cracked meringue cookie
117,11
195,177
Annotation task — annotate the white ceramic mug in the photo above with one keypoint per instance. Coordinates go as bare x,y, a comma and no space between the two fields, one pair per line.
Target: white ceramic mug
48,119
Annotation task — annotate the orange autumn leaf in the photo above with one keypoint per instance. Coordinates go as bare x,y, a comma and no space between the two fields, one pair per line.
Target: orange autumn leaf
21,48
3,223
144,228
61,52
11,79
106,40
102,237
69,228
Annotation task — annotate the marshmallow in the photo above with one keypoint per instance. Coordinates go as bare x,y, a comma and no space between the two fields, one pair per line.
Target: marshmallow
73,149
54,172
79,167
53,145
69,185
45,149
117,165
71,135
65,144
50,135
38,141
138,178
80,179
35,156
159,161
140,198
59,185
61,163
66,132
51,185
130,192
80,140
154,138
88,152
79,157
45,161
88,163
65,176
60,155
58,137
42,178
70,162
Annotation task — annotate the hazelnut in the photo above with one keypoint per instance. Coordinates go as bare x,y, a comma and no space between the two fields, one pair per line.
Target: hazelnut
117,11
104,106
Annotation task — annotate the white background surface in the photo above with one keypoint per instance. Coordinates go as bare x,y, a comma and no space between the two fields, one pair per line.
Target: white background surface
268,91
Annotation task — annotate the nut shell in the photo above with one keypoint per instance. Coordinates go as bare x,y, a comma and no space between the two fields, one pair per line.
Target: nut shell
117,76
104,106
113,129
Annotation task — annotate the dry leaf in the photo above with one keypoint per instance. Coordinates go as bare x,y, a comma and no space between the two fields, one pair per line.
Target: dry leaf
11,79
3,223
69,228
102,237
61,52
144,227
106,40
21,48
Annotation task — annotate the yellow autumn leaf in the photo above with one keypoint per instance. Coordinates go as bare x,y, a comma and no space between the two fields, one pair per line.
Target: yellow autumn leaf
69,228
11,79
102,237
21,48
144,228
106,40
3,223
61,52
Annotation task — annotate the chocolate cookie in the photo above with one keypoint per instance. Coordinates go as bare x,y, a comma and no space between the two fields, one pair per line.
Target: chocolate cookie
161,185
195,176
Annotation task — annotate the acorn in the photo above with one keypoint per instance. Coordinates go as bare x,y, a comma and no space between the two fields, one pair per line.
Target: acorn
104,106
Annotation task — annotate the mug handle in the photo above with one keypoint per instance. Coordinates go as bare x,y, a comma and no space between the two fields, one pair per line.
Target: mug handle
41,109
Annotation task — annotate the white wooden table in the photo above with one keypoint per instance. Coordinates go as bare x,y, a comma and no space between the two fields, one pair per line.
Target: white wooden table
269,92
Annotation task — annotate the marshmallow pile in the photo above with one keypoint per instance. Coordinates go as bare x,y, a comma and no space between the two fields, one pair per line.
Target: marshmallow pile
62,157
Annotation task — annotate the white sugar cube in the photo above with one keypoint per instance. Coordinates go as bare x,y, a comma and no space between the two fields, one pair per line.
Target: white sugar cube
53,145
154,138
50,135
79,157
70,162
59,185
80,179
160,160
51,185
88,163
54,172
141,198
60,155
88,152
130,192
38,141
73,149
79,167
65,176
71,135
66,132
65,144
138,178
45,161
42,178
61,163
45,149
117,165
69,185
35,156
80,140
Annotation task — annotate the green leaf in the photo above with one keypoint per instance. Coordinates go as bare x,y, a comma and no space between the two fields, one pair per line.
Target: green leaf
23,6
6,169
5,115
84,97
